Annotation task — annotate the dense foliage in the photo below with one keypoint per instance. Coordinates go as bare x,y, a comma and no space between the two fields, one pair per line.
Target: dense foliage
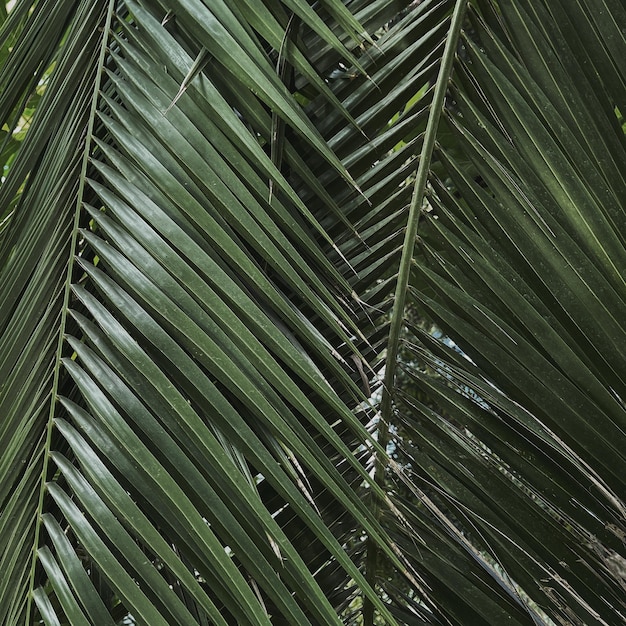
312,313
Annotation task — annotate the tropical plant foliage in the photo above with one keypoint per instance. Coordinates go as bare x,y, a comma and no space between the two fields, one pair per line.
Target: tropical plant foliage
312,313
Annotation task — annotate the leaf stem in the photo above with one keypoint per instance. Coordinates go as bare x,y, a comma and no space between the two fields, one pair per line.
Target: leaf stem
397,315
65,306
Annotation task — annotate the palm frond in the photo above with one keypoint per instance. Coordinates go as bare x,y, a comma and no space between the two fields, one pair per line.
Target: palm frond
183,376
518,268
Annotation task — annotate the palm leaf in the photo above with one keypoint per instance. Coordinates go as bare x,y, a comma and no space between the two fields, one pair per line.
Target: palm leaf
518,267
220,265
